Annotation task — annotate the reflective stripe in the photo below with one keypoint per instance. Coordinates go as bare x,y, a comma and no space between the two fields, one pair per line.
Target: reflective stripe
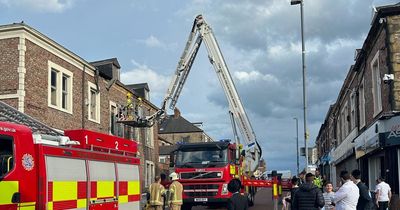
105,189
81,203
133,188
27,206
7,189
49,205
123,199
64,191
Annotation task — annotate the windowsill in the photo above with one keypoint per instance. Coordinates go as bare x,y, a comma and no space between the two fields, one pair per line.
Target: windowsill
61,109
95,121
377,113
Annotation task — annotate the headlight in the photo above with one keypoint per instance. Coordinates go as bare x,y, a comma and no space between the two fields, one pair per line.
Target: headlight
224,189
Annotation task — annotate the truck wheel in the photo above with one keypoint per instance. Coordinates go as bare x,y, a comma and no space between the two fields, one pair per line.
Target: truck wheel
186,207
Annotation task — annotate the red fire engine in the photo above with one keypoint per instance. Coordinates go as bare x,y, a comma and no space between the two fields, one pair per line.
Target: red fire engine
80,170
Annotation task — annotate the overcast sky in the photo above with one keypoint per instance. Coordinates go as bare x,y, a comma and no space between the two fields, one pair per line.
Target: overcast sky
260,41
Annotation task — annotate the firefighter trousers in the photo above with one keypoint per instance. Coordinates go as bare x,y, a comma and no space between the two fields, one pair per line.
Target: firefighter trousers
155,208
175,207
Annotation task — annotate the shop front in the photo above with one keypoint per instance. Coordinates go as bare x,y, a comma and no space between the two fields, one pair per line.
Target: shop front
378,152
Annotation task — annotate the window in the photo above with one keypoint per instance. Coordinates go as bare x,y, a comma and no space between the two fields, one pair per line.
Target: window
94,103
344,122
149,176
352,110
6,155
113,120
60,88
338,130
361,101
376,84
162,159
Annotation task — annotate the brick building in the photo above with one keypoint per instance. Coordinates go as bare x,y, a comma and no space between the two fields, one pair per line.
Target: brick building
43,79
361,130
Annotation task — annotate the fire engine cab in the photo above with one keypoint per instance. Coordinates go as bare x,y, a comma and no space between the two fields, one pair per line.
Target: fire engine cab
80,170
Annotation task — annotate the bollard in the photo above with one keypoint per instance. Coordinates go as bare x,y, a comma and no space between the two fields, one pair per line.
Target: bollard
275,189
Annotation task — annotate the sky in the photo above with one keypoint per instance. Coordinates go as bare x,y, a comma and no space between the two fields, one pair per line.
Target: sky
260,41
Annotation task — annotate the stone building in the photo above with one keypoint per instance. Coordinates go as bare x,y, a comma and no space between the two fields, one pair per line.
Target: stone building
361,130
45,80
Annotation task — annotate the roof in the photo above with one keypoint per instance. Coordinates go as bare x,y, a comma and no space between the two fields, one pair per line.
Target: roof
138,86
167,150
10,114
177,125
114,61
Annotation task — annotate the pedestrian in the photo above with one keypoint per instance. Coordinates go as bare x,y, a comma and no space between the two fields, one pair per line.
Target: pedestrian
318,180
328,196
302,178
175,190
157,192
383,194
236,201
308,196
346,197
365,200
295,186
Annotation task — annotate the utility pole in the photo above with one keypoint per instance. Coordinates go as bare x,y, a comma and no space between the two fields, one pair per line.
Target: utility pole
297,145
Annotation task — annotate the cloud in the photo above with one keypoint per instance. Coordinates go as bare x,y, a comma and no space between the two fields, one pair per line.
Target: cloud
154,42
251,76
158,83
54,6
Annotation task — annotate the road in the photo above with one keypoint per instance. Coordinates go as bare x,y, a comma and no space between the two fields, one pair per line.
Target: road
263,201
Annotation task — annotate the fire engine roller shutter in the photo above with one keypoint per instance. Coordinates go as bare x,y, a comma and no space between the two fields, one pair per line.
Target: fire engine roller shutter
128,187
66,183
102,180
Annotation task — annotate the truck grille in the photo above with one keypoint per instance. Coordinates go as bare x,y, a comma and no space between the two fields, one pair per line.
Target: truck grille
201,175
203,190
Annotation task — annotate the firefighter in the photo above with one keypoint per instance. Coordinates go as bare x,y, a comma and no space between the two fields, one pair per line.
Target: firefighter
157,192
175,190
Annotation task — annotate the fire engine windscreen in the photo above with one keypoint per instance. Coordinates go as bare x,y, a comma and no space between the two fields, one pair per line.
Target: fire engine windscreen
6,155
202,157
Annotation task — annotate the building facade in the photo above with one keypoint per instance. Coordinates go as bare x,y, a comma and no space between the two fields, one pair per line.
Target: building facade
361,130
45,80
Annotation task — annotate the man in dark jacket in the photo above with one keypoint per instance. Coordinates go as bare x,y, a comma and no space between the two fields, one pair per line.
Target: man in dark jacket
236,201
308,196
365,199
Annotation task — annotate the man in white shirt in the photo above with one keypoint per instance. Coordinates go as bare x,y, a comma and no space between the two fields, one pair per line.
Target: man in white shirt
346,197
383,194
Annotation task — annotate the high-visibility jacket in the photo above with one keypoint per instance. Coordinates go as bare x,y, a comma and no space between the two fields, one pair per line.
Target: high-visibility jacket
156,192
318,181
175,190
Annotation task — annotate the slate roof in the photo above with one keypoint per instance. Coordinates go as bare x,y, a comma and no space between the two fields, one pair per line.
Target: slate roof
177,125
10,114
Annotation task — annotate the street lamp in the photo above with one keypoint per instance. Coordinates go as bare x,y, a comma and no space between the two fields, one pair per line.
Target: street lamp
297,144
303,54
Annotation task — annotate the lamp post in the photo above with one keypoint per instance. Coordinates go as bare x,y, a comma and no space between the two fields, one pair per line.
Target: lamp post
303,54
297,145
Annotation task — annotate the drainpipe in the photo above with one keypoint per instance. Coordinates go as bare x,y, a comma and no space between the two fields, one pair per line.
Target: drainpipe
83,96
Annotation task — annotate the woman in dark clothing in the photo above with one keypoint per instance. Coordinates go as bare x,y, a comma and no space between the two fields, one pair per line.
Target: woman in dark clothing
295,187
236,201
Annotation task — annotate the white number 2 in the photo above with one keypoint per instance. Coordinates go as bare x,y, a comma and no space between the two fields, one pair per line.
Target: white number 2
116,144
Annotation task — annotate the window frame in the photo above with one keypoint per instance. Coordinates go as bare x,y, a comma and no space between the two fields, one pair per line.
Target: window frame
352,110
344,123
9,138
376,84
149,177
60,72
361,101
92,86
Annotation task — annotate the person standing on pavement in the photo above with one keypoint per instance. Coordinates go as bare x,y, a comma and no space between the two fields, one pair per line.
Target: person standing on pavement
308,196
383,194
302,178
318,180
157,192
236,201
346,197
365,200
175,190
328,196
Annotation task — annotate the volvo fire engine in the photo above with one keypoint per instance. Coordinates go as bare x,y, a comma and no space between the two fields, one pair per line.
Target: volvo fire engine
81,169
206,168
